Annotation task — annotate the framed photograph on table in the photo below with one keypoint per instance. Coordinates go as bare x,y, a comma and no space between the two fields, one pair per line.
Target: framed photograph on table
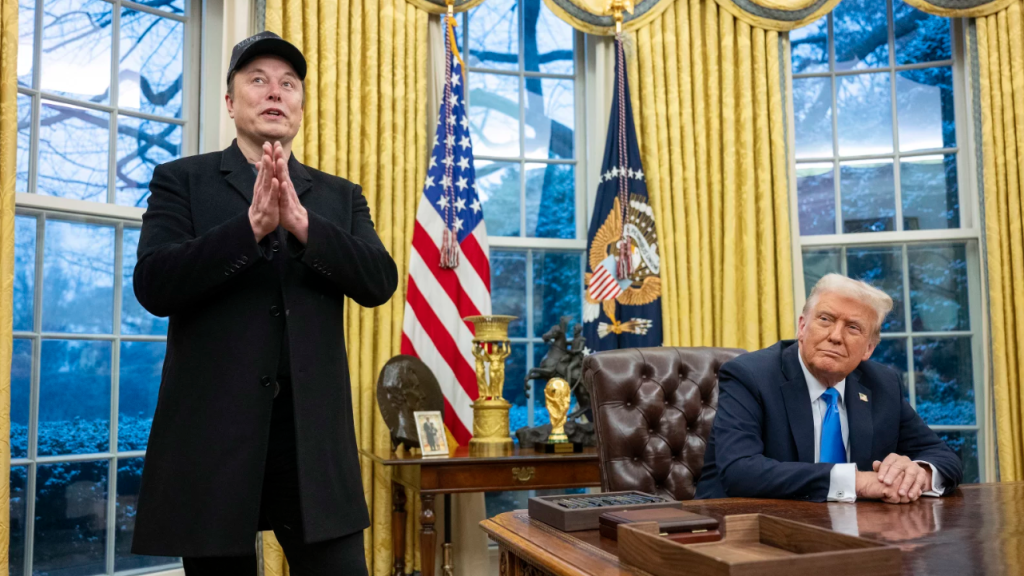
430,426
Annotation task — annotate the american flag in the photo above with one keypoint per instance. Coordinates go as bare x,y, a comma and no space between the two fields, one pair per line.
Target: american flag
449,266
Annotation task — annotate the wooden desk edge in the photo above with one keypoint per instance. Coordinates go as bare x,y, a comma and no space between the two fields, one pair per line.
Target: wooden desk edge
517,546
530,457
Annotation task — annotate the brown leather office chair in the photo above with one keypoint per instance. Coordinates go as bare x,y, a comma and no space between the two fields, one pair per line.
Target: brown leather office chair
653,411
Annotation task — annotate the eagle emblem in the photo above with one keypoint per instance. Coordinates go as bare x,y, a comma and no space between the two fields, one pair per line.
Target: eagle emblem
604,289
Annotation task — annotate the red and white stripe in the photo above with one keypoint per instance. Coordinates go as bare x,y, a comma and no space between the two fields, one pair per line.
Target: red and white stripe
603,285
438,299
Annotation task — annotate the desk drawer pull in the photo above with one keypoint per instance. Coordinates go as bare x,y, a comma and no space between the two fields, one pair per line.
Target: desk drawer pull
524,474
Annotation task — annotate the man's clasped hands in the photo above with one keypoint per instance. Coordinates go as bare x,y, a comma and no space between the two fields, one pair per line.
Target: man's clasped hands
274,201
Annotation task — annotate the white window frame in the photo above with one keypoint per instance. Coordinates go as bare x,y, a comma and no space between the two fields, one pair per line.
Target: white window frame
970,231
199,69
522,243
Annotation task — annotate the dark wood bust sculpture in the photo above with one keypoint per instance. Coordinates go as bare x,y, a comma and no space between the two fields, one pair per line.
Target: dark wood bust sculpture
405,386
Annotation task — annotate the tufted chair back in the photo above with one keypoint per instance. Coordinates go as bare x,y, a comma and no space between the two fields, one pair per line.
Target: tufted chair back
653,411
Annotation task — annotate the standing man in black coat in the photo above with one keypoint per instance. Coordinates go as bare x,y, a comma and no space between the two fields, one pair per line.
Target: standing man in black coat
251,255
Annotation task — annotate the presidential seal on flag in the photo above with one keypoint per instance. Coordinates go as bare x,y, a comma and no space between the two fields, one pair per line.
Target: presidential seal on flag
641,286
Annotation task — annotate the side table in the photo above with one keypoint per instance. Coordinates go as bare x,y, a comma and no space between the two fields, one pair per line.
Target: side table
460,473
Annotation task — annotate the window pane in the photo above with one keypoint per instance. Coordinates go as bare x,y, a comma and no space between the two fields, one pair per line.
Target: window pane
152,53
498,186
861,34
938,287
965,444
920,37
19,520
868,194
550,117
816,197
930,192
818,263
864,103
494,114
893,353
77,38
501,502
141,146
26,41
134,318
78,278
550,201
71,519
924,109
881,267
74,397
24,143
548,40
508,288
515,387
172,6
557,290
74,145
24,271
943,380
809,45
21,394
138,385
812,113
494,35
129,478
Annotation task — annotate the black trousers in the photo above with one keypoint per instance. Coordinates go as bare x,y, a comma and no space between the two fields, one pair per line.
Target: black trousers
279,507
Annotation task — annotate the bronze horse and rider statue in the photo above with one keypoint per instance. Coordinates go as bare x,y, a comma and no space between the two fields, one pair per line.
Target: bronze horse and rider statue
563,360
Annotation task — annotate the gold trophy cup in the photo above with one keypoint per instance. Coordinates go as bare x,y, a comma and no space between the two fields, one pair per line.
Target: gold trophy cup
490,411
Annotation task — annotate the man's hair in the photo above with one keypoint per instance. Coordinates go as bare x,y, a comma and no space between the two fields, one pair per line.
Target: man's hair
231,88
856,289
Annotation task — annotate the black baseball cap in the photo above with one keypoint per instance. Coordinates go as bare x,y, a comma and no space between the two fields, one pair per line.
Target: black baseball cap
263,44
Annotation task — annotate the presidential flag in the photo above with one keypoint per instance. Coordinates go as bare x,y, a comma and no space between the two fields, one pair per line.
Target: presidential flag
622,299
449,267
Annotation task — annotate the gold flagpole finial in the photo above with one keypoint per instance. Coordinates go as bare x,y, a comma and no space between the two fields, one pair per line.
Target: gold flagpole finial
451,6
616,8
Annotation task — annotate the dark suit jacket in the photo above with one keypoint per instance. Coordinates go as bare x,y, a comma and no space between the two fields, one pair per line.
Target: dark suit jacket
230,303
762,442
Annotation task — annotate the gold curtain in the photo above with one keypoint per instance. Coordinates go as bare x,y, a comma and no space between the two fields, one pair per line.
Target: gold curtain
707,93
999,40
8,163
365,120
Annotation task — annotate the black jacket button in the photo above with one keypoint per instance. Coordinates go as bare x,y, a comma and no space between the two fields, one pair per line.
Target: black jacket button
265,381
275,311
275,246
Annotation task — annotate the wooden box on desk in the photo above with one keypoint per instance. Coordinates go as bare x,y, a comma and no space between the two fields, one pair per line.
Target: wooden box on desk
546,510
758,545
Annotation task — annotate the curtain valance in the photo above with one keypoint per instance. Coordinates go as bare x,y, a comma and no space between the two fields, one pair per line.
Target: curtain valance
960,8
439,6
594,16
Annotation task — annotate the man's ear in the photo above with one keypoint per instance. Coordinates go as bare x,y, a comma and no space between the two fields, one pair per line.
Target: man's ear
871,349
230,104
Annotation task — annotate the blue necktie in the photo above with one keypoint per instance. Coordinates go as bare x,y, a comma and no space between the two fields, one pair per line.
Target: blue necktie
832,449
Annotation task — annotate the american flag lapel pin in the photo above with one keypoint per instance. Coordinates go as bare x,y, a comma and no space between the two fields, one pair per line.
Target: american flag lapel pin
863,396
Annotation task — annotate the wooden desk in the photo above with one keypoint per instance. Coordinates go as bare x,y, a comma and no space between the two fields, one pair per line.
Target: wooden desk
979,530
460,472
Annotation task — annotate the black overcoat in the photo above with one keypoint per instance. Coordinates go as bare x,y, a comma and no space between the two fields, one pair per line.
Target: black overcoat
199,264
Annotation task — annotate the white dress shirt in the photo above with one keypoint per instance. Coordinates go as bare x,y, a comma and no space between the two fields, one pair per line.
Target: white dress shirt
843,479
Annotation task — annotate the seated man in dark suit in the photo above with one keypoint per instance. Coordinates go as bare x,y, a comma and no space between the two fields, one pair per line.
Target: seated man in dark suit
816,420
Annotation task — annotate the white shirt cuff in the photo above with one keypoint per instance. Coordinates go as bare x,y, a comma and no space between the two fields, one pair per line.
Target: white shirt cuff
938,482
842,486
